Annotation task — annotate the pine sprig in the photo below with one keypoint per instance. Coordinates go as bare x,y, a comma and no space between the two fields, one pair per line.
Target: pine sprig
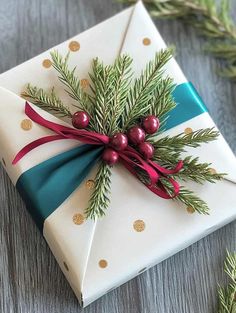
163,101
71,81
192,169
191,200
47,101
179,142
122,80
227,295
99,201
139,100
103,87
211,18
188,198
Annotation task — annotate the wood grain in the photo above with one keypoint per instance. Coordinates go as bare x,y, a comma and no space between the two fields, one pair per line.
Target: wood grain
30,280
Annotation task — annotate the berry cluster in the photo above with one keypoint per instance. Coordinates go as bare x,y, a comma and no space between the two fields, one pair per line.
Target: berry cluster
135,136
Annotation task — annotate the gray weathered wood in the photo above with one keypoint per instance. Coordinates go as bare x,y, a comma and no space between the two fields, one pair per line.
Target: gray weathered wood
30,280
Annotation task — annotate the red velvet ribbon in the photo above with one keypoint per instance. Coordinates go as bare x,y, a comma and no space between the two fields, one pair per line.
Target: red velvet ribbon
130,158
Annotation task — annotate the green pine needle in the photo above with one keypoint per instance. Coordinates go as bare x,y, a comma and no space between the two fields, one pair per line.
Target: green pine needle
47,101
99,201
144,91
179,142
71,81
188,198
211,18
227,294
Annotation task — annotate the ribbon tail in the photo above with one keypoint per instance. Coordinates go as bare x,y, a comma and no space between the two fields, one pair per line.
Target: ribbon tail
34,145
166,171
161,191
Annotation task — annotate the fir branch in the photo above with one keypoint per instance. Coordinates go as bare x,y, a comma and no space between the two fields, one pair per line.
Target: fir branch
192,169
211,18
99,201
103,88
163,101
227,295
47,101
190,200
122,80
141,94
179,142
71,81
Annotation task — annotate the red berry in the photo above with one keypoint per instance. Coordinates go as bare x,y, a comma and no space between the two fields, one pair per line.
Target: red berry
136,135
151,124
80,119
110,156
146,149
119,142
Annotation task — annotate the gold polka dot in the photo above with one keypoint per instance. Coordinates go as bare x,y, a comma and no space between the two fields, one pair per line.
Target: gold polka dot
78,219
190,210
146,41
103,263
90,184
212,171
139,225
3,162
188,130
84,83
66,266
74,46
26,124
47,63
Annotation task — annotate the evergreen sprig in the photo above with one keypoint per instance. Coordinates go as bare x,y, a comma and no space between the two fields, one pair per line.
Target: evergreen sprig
71,81
47,101
99,201
211,18
115,103
227,295
179,142
142,98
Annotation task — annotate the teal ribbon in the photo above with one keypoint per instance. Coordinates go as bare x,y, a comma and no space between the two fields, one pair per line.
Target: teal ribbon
47,185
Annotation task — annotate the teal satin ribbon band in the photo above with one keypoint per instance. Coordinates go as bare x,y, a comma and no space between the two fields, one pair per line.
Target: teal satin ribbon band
189,105
47,185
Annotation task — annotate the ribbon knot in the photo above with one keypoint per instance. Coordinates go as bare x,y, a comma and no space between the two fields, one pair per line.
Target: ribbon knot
130,158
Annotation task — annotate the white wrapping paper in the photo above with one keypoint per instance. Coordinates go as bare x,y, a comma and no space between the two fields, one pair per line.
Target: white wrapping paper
99,256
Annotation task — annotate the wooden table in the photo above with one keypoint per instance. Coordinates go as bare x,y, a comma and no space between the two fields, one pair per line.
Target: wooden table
30,279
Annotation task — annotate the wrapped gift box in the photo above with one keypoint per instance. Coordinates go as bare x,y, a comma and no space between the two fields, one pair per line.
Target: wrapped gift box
140,229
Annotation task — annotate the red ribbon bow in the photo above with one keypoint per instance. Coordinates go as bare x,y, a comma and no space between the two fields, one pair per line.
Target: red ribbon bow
130,158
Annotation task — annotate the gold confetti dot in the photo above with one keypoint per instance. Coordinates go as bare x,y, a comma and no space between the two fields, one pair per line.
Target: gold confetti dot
190,210
74,46
212,171
78,219
26,124
47,63
103,263
139,225
3,162
90,184
146,41
188,130
84,83
66,266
